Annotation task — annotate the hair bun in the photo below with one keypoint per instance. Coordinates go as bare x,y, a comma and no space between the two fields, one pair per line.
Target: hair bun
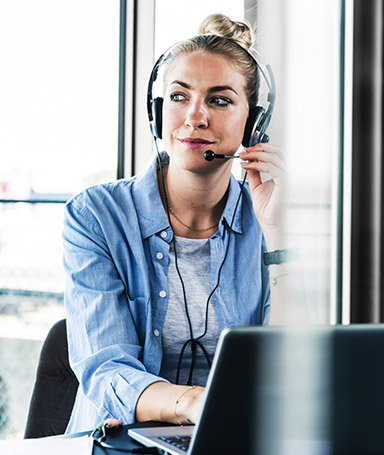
221,25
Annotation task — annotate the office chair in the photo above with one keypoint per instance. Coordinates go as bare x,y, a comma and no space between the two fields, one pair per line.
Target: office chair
55,388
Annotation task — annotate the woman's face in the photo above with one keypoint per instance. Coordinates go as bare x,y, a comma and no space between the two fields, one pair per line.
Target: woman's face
205,108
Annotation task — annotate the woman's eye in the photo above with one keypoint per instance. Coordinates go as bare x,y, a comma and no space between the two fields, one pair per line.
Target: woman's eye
220,101
177,97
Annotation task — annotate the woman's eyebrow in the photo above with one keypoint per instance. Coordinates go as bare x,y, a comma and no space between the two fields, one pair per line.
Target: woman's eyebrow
183,84
217,88
221,88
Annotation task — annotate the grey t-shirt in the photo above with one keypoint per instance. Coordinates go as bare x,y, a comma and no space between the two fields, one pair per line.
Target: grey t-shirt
193,258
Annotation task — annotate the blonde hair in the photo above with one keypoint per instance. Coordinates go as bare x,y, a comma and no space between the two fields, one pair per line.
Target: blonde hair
218,34
220,25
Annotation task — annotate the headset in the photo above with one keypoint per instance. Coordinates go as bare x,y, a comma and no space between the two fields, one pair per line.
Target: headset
254,132
258,117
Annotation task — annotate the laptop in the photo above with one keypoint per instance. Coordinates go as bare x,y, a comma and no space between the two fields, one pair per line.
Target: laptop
275,390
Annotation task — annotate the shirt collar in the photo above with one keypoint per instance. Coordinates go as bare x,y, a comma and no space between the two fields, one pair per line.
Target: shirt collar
151,213
233,195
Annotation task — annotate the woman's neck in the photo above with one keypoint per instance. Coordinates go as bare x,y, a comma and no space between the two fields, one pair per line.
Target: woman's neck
195,202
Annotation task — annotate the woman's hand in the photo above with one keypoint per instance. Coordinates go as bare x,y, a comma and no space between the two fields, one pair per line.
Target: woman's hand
267,197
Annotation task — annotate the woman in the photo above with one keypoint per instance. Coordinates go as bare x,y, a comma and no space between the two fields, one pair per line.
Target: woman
143,255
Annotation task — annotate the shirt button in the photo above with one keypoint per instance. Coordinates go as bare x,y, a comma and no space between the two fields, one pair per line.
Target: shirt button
159,255
162,294
163,234
156,333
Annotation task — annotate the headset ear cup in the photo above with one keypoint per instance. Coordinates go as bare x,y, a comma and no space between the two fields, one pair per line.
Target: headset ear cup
157,112
252,126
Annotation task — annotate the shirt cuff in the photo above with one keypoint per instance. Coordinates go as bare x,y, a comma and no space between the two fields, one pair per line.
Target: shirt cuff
125,389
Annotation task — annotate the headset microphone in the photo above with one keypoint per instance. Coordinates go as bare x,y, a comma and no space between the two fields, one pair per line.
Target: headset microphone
209,155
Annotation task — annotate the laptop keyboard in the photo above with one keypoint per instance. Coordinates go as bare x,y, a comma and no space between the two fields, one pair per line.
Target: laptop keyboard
181,442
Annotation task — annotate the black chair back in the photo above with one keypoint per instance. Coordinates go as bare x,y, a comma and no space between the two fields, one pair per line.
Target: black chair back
55,388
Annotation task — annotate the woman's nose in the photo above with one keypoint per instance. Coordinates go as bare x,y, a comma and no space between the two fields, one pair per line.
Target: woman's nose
197,116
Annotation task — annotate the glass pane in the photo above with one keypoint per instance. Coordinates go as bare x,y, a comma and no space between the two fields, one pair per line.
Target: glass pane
58,92
58,135
32,275
171,24
31,301
306,123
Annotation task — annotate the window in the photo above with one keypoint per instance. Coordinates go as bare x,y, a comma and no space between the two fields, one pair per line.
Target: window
58,135
307,123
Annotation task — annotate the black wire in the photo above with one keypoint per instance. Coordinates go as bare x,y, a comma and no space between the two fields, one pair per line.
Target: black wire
193,362
180,360
195,341
225,257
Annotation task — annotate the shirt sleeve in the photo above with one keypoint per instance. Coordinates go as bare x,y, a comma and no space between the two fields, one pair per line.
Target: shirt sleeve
104,346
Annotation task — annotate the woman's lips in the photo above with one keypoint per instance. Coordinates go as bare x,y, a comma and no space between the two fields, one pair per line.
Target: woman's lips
195,142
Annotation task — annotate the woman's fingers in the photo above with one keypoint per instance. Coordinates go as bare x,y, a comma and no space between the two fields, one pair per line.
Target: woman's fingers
265,158
110,423
265,153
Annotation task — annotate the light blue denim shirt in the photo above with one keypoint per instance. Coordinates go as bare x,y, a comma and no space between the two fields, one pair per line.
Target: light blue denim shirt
116,244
